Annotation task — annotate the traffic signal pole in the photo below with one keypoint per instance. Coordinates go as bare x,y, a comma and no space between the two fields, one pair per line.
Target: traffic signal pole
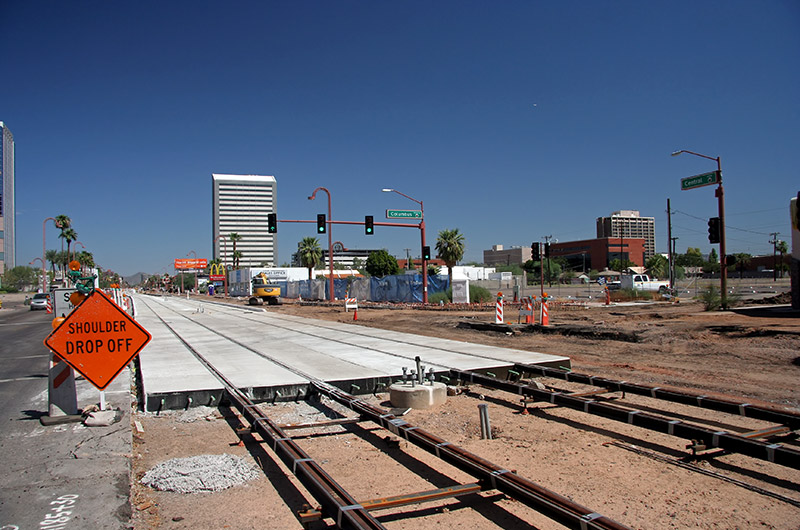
420,226
723,269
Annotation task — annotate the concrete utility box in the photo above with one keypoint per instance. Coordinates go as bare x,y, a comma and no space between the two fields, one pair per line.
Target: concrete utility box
418,396
461,291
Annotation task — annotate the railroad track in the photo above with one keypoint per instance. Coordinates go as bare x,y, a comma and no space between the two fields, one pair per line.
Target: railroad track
755,443
337,504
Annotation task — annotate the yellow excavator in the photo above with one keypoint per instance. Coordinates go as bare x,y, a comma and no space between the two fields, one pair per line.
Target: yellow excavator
264,291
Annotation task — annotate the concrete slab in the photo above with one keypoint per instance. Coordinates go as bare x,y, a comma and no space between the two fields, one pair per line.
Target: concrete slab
258,350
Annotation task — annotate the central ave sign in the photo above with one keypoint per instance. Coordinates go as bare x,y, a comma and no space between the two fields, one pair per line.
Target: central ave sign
98,339
698,181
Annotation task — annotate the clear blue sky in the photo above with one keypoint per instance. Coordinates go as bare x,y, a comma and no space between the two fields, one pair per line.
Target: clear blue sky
510,120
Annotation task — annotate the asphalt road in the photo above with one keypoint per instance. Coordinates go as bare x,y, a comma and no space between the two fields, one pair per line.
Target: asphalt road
60,476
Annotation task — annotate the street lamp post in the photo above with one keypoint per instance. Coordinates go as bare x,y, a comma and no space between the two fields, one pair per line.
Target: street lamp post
224,268
720,194
44,252
195,269
422,232
75,252
330,240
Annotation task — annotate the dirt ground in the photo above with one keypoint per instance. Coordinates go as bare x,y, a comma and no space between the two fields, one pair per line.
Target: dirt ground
637,477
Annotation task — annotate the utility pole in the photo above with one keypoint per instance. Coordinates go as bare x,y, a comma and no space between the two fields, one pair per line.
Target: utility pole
669,247
774,242
408,258
672,241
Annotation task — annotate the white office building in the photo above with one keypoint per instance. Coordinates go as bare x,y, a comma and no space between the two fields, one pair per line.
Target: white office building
8,256
241,204
628,224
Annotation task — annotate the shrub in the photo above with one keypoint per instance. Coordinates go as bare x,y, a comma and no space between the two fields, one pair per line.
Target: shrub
711,298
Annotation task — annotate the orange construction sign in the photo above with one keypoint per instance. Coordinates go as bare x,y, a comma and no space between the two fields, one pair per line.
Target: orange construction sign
98,339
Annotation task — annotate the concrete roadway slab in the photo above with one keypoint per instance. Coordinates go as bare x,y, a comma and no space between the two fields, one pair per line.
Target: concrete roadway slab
324,350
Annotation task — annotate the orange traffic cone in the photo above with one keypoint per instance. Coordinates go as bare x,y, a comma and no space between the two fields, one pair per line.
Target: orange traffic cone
355,314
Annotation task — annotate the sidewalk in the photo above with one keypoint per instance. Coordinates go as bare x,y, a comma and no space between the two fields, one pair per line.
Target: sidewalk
69,475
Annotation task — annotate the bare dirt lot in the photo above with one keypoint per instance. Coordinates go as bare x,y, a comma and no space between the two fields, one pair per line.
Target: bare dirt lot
637,477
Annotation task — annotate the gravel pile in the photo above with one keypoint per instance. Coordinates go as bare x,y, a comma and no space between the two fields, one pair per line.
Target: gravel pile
200,474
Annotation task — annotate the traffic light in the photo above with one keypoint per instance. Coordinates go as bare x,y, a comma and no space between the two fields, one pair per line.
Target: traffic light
321,225
713,230
535,252
272,223
547,250
426,253
368,225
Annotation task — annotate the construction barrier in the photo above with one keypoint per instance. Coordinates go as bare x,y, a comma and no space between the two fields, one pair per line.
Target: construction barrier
498,314
545,320
526,310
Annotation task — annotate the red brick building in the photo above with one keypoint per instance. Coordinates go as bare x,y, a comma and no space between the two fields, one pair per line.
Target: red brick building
599,253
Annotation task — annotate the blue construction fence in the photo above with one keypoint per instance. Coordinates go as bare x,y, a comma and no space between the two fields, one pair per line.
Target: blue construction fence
400,288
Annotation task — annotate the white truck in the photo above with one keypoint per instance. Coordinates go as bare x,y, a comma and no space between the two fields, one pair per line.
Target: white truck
643,282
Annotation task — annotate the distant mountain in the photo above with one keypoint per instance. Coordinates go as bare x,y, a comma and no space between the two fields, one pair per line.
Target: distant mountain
136,279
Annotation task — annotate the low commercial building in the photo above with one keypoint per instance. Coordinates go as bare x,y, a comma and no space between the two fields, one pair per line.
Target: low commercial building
506,256
598,253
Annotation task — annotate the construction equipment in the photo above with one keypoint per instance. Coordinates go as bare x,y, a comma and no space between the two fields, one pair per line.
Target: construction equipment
264,291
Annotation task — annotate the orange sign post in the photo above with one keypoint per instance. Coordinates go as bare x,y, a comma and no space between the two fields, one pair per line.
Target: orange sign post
98,339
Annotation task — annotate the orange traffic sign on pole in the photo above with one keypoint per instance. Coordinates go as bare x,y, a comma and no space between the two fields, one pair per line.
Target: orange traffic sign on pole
98,339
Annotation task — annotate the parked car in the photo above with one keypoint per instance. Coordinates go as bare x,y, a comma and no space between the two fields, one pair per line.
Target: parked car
39,301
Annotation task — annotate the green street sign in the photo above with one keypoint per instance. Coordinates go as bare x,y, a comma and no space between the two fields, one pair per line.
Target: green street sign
698,181
403,214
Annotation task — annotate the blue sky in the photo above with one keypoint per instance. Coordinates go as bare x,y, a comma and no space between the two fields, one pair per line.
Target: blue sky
510,120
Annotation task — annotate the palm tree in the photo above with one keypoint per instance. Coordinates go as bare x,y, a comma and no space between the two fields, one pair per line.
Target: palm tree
450,247
62,260
310,254
69,235
52,257
234,237
86,259
237,255
63,222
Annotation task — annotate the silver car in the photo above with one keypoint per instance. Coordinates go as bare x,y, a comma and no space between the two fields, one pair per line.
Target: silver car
39,301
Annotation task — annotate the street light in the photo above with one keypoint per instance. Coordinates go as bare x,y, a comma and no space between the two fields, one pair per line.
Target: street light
422,231
44,252
195,269
330,239
222,259
720,194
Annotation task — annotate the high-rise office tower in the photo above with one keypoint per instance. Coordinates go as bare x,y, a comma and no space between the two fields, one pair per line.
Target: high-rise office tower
8,256
240,205
629,224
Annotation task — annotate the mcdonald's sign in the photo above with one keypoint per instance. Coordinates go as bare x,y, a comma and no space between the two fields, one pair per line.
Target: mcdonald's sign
216,272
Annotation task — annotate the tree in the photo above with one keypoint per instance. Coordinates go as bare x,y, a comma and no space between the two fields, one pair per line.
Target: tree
235,237
742,262
450,248
62,259
358,264
692,258
52,257
62,222
783,248
19,278
620,264
310,254
237,256
657,266
86,259
381,263
69,235
712,265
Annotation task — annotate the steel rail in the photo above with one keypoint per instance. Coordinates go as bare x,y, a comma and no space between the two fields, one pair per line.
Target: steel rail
335,501
721,405
732,442
491,476
549,503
